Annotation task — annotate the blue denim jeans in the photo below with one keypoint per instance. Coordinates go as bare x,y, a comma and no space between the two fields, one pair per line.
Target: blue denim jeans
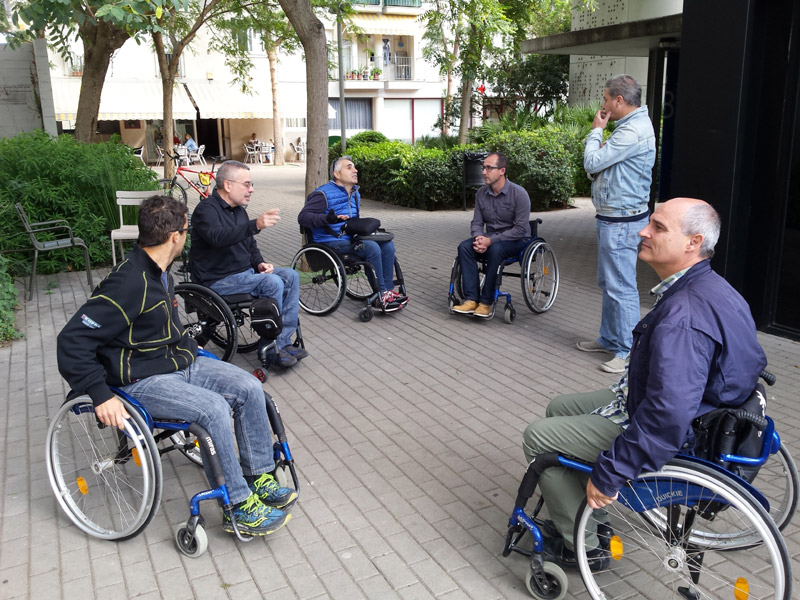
617,251
205,393
495,254
282,284
379,254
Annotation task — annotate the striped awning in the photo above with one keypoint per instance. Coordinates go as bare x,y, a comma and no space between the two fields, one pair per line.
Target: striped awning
387,24
122,99
217,100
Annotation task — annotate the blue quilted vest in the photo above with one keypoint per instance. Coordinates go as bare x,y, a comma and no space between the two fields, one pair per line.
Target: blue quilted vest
341,204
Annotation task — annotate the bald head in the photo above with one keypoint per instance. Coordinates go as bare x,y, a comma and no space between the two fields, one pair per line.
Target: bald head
681,233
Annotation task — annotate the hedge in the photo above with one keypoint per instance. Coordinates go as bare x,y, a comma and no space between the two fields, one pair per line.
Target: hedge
8,300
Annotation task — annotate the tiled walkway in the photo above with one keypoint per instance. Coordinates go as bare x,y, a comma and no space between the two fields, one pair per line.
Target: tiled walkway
406,432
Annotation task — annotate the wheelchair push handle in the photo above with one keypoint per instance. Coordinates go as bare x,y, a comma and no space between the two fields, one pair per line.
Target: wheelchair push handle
768,377
727,441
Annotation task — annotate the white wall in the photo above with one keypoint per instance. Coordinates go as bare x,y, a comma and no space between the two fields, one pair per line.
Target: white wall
18,107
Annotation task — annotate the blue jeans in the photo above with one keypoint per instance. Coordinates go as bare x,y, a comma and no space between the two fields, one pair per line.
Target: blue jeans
496,254
282,284
379,254
617,250
205,393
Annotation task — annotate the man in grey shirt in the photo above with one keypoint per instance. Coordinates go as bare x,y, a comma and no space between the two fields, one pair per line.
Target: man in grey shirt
500,229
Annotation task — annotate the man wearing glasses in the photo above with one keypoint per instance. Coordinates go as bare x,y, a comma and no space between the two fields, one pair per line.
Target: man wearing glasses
224,255
128,335
500,229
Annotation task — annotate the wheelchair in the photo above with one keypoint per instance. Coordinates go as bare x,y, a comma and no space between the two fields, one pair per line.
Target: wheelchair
327,276
538,276
223,322
669,534
109,481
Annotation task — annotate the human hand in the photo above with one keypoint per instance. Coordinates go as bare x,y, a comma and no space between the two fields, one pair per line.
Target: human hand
112,413
343,217
481,243
265,268
597,499
268,218
601,119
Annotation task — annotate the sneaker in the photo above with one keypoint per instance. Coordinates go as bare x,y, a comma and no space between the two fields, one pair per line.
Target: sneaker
467,308
592,347
271,493
555,551
615,365
253,517
283,359
484,311
386,302
297,351
399,298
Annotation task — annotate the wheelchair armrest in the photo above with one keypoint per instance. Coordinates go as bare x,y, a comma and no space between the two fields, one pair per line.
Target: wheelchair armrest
206,353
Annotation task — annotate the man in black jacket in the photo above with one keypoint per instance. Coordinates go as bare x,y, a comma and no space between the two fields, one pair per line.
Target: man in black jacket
128,335
224,255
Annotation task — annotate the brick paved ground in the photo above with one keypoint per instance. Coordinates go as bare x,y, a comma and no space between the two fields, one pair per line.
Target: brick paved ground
406,432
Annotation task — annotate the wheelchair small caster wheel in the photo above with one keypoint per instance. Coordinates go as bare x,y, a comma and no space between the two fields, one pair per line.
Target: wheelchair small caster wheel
365,315
509,314
261,374
450,305
192,544
556,579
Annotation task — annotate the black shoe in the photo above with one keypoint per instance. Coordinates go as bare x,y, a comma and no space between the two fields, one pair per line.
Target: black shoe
297,351
283,359
604,535
555,551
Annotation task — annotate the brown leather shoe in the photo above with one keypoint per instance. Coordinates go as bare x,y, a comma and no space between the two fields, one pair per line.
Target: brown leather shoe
467,308
484,311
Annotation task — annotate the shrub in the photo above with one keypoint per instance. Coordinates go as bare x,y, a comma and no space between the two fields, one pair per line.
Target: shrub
368,137
376,164
8,300
540,162
426,179
443,142
62,178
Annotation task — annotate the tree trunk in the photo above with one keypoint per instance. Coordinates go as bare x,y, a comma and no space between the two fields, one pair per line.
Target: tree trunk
279,155
167,83
100,41
466,109
312,35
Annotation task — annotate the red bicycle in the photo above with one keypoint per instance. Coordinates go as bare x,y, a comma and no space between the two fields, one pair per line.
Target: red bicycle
199,180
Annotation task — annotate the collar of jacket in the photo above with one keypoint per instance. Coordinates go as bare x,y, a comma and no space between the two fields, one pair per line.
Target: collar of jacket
704,266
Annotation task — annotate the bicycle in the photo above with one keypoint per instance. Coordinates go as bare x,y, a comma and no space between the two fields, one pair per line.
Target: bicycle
202,185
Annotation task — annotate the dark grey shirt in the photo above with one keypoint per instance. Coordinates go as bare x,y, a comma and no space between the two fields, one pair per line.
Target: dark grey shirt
502,217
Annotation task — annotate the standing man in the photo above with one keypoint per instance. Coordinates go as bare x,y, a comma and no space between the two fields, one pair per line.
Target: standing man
325,212
695,351
500,229
621,173
224,255
128,335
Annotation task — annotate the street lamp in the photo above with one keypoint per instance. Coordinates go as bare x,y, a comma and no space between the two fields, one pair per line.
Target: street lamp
342,114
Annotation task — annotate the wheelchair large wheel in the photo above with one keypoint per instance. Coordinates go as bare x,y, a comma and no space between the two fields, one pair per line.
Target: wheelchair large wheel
246,339
108,482
322,279
458,286
207,318
539,277
663,558
358,286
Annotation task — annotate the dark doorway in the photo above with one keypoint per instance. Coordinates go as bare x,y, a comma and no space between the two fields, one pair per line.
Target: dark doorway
207,134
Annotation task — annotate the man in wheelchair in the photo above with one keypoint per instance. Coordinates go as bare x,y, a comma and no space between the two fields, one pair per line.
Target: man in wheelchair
128,335
224,255
500,229
325,213
695,351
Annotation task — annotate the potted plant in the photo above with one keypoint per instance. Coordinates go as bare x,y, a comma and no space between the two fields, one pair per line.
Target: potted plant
365,72
356,74
376,73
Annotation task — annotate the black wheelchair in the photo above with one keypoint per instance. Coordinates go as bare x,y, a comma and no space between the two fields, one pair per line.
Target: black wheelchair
109,481
670,534
223,323
538,276
327,276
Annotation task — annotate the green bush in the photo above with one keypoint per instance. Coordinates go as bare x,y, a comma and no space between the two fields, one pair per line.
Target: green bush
62,178
540,162
8,300
426,179
376,164
368,137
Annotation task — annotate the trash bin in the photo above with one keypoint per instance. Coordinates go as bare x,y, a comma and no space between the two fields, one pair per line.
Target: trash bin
473,175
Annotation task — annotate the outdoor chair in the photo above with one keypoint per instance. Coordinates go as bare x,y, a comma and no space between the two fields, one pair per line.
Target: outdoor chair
299,151
198,155
159,156
139,152
250,154
126,232
60,242
183,155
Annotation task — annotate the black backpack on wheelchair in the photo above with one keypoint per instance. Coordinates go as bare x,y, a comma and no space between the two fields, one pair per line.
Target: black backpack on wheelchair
265,318
733,431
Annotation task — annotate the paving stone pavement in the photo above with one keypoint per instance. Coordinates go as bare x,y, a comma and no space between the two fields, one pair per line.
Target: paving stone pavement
406,433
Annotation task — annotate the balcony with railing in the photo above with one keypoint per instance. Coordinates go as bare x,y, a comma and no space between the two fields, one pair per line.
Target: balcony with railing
388,6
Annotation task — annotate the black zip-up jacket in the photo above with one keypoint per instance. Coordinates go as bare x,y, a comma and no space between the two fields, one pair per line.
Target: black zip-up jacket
222,241
127,330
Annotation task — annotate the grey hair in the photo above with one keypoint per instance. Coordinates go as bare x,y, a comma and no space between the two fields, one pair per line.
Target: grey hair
703,219
627,87
227,170
335,163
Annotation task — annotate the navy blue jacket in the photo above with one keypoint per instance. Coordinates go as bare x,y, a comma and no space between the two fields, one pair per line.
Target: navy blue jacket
222,241
695,351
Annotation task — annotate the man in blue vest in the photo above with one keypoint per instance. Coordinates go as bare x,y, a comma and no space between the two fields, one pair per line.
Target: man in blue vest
325,212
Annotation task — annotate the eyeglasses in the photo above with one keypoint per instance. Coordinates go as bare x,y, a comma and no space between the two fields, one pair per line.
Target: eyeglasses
247,184
489,168
186,229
